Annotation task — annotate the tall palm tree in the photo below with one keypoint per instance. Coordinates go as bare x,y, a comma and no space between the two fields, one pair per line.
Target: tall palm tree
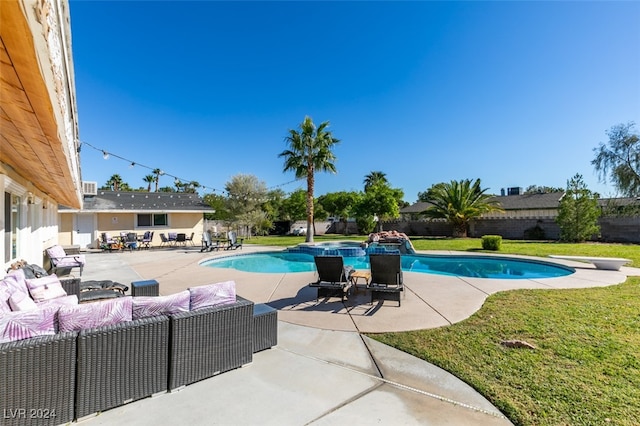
459,203
115,182
310,150
157,173
149,179
374,178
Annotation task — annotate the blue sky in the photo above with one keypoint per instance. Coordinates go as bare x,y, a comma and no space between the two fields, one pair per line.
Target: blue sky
513,93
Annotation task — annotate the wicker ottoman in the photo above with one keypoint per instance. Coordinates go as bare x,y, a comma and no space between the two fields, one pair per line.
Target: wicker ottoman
145,288
265,327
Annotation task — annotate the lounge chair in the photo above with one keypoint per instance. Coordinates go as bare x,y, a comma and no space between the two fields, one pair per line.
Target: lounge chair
386,277
334,278
233,243
60,259
207,245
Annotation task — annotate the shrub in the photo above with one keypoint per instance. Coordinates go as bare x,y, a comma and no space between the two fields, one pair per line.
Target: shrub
491,242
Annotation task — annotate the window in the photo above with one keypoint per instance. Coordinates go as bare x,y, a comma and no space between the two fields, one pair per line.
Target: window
148,220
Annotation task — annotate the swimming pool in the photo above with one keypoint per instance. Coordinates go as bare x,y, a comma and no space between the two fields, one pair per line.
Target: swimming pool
456,265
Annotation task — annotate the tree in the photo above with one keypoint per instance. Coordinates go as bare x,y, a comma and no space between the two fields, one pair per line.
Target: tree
157,173
428,194
149,179
620,159
537,189
310,150
374,178
219,204
340,204
245,194
115,182
459,202
578,212
381,202
294,207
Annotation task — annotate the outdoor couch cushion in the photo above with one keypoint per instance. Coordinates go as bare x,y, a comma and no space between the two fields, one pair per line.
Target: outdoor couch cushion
27,324
149,306
221,293
72,299
45,288
96,314
15,281
21,302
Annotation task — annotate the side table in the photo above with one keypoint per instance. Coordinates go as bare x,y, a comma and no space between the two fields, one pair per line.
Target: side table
356,275
265,327
145,288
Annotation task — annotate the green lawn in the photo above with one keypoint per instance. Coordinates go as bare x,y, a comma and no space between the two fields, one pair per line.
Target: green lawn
585,369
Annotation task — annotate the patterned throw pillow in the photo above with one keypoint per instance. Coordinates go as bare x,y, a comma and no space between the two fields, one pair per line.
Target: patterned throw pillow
45,288
222,293
149,306
24,325
16,281
21,302
96,314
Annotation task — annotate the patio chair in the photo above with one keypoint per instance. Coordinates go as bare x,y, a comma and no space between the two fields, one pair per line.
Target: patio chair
109,243
181,239
233,243
173,236
164,240
386,277
60,260
147,238
334,278
207,244
131,241
190,239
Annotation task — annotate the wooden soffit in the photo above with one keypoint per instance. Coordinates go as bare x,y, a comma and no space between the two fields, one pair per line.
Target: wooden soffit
30,132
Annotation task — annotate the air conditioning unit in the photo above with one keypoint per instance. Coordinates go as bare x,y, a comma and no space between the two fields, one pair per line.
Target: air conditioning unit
90,188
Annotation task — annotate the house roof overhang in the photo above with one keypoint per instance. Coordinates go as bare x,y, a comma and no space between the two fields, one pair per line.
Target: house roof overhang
38,115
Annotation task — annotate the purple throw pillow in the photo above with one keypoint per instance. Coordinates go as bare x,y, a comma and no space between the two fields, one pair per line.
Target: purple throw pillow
27,324
222,293
95,314
149,306
16,281
45,288
21,302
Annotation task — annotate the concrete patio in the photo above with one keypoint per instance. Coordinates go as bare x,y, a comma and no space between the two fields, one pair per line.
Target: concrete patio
323,371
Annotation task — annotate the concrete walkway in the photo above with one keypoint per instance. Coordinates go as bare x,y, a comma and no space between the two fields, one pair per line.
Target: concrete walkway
323,371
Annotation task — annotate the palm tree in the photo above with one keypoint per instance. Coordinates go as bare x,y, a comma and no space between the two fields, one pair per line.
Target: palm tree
115,182
459,203
157,173
310,150
149,179
374,178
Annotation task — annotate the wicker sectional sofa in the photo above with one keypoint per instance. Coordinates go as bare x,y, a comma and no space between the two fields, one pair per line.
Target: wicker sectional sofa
55,379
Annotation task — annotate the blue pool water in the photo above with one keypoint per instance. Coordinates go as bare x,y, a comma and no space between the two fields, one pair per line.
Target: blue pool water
466,266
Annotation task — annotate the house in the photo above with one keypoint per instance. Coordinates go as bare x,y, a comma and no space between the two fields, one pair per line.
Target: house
39,160
124,211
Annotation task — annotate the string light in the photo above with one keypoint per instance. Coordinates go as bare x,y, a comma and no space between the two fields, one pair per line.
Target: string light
177,180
